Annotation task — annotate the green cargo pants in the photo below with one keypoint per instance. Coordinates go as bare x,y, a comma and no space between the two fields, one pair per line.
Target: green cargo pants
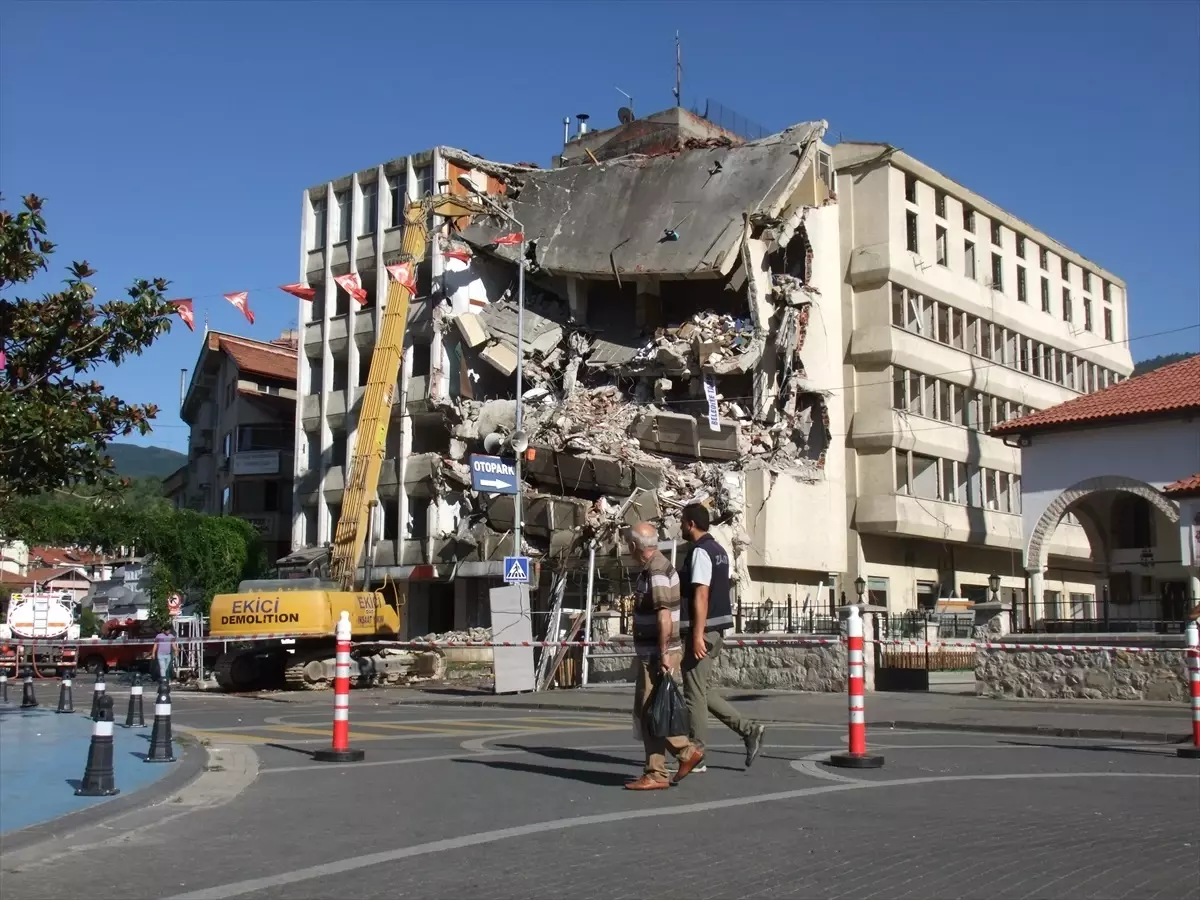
701,699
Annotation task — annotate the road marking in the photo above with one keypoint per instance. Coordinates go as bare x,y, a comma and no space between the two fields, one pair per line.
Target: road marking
421,728
250,885
587,723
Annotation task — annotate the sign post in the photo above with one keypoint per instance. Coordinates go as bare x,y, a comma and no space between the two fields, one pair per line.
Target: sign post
493,475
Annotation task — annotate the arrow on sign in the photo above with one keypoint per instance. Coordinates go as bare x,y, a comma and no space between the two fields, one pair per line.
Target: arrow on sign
494,482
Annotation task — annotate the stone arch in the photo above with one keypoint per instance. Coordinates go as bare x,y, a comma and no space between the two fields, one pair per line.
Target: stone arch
1035,552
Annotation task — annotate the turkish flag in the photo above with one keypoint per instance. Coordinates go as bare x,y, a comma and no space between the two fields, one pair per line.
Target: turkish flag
509,240
352,286
241,299
299,290
403,274
463,256
186,312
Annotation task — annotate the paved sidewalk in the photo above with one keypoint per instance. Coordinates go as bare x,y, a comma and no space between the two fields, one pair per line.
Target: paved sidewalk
42,759
1108,720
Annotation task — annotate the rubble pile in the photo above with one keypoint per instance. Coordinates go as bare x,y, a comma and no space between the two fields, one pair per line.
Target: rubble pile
707,338
474,634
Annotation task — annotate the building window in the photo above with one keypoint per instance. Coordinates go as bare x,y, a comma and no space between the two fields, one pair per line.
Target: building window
1022,293
996,233
1087,280
1044,259
910,188
942,255
270,496
337,448
825,170
424,181
1106,288
997,272
1087,314
226,499
1045,295
968,219
925,477
341,374
1021,246
939,204
316,379
1108,324
910,222
1066,301
318,236
902,480
1066,269
370,208
397,189
1131,523
227,445
342,198
969,260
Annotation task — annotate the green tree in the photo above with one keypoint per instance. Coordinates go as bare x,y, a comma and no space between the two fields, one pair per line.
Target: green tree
55,422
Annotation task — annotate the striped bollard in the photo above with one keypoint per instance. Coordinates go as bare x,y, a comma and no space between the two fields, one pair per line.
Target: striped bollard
66,703
3,683
98,774
135,716
340,751
857,757
28,697
97,694
161,748
1192,657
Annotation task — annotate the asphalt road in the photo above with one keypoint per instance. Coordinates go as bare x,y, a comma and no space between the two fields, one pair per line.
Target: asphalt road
515,803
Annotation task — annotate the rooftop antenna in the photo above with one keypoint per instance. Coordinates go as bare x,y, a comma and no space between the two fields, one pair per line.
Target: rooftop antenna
628,97
678,72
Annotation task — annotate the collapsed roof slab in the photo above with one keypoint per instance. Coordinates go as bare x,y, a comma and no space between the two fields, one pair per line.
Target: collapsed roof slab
614,218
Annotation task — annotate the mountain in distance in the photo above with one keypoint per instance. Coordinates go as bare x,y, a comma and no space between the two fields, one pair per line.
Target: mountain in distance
135,461
1155,362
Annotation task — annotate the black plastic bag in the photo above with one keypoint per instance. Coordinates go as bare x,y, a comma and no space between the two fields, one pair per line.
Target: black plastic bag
666,713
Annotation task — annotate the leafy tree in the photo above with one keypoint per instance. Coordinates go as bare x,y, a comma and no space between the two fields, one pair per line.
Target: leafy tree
189,553
55,422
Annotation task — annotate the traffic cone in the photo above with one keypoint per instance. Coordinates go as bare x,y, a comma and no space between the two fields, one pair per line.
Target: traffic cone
3,683
97,693
98,776
161,749
66,703
28,698
135,718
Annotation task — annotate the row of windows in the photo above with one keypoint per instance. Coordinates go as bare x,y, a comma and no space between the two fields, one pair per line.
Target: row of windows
368,207
939,322
933,398
996,236
341,370
931,478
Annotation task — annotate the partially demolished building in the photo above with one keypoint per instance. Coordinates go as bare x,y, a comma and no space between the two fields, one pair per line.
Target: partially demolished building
676,345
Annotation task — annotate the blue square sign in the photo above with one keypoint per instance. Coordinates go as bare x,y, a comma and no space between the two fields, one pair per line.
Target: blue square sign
493,475
516,569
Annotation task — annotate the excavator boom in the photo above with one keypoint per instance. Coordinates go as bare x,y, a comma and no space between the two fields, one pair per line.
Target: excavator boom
375,416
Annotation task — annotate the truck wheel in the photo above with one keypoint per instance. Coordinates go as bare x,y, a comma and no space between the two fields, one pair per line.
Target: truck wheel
94,665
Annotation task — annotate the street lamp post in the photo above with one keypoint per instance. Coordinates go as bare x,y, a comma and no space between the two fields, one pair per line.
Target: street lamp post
517,439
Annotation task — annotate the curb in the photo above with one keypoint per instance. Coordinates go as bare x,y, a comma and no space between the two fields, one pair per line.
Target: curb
1108,734
190,766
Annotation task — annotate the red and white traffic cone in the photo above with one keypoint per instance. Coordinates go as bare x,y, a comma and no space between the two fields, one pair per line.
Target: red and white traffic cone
857,757
1192,658
340,751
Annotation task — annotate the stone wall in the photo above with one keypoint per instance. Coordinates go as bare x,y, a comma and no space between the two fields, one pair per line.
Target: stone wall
1114,674
771,666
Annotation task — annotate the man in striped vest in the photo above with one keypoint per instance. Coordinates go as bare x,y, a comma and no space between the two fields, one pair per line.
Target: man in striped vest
706,615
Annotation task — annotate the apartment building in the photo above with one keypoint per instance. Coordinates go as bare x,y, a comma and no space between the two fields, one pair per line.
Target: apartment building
677,363
959,317
241,407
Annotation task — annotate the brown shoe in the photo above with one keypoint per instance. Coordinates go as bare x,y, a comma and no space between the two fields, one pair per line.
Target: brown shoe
647,783
686,765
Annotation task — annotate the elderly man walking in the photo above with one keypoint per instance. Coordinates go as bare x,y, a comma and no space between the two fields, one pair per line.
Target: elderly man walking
656,642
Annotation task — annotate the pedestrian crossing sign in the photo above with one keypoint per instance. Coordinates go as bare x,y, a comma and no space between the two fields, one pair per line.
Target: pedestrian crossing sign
516,569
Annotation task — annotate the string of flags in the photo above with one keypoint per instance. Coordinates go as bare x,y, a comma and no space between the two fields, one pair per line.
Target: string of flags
402,273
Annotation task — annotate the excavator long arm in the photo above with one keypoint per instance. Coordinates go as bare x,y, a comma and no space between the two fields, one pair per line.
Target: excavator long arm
375,415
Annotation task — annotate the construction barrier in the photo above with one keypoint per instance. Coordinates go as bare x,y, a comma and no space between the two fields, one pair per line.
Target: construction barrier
135,715
161,747
98,778
1193,665
98,690
28,697
66,703
856,756
341,751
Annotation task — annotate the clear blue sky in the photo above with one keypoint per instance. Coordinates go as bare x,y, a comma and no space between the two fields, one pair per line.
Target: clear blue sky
175,139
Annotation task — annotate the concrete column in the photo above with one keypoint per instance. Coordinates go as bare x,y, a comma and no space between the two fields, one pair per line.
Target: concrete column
1037,597
324,523
406,367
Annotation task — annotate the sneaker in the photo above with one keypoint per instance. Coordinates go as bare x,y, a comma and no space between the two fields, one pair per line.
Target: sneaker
754,742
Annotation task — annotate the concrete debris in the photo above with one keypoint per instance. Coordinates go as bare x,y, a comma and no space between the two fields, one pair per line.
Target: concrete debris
706,339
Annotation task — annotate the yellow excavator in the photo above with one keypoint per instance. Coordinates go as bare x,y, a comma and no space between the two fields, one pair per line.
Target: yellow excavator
314,585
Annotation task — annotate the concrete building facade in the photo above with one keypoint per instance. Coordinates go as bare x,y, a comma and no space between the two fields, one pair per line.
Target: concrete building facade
959,316
240,405
813,340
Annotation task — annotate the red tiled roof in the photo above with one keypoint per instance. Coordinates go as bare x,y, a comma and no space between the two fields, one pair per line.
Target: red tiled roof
59,556
13,578
1184,486
1171,389
43,575
258,357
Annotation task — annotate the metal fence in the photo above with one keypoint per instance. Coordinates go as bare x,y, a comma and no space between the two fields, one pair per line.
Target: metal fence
782,618
914,623
732,121
1109,625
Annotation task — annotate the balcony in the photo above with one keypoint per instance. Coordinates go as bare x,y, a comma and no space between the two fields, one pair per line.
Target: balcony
898,515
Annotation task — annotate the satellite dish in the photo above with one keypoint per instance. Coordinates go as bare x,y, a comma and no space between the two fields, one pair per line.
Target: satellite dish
492,443
624,115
